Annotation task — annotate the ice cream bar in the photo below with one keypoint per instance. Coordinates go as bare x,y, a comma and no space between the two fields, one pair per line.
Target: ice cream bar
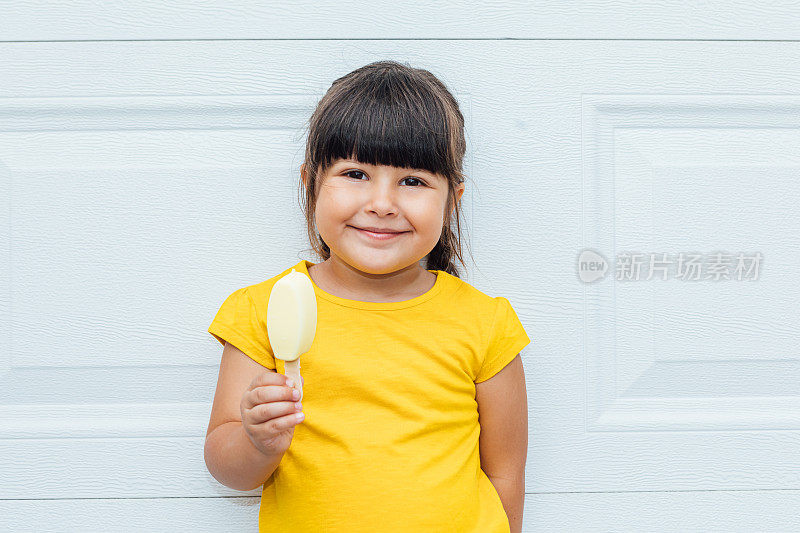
292,321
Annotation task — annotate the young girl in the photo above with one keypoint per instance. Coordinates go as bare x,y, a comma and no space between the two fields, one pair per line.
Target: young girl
404,359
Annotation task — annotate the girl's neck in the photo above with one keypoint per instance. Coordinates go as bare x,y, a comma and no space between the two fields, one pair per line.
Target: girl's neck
337,277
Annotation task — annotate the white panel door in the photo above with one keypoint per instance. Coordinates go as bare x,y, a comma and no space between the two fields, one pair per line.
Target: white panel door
144,181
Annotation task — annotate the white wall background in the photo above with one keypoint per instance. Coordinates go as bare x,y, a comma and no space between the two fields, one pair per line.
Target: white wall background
149,157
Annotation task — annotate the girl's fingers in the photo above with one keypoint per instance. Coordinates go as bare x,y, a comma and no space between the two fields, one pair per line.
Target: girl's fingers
272,411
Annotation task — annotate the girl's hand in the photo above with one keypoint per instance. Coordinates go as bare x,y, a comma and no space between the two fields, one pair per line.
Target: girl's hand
269,411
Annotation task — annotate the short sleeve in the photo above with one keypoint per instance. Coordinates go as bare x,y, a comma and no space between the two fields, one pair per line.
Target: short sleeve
237,322
506,338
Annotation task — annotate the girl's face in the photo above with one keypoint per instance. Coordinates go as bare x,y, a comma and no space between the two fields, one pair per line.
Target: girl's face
355,195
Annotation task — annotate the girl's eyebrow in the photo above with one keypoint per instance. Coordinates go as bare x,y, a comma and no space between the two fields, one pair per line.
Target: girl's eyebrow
352,162
346,162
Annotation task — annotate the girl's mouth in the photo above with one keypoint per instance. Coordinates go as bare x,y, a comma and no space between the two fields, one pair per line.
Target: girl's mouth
378,236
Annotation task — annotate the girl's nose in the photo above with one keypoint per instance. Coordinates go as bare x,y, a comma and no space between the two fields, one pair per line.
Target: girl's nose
382,200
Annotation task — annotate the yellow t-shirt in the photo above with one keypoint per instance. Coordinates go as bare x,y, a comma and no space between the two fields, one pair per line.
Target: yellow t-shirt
390,438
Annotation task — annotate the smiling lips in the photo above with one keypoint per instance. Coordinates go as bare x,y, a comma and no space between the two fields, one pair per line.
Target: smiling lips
380,236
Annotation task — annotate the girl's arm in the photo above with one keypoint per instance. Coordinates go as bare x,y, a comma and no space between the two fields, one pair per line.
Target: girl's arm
233,460
503,445
230,456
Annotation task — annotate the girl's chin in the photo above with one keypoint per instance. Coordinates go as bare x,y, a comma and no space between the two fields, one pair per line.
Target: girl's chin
376,260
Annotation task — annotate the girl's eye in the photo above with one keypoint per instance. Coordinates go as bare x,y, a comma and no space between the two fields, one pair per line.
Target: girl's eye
417,179
349,172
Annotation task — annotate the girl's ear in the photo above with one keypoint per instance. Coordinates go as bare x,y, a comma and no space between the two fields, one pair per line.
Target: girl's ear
459,192
303,175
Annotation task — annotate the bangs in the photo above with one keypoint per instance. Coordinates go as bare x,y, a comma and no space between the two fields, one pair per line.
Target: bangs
385,126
